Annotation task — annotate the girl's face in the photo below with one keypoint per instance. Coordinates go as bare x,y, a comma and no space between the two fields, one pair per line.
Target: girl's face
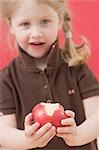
35,27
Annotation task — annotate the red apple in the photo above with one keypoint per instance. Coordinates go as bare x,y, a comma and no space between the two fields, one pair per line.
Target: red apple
49,112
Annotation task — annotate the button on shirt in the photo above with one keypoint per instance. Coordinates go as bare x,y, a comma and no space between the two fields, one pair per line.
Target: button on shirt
22,86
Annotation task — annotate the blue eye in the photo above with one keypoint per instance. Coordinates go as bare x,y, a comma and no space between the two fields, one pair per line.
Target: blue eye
45,21
25,24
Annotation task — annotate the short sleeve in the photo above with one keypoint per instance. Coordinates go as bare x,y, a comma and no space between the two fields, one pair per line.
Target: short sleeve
7,105
87,82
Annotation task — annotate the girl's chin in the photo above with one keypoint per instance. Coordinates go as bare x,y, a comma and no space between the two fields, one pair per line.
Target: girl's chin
37,55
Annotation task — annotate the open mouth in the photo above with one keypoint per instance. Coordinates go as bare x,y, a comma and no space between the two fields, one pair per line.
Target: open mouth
37,44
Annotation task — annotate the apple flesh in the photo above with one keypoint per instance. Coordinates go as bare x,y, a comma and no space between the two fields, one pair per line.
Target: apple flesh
49,112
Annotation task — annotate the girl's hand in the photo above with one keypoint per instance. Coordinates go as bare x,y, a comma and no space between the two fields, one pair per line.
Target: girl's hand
69,131
36,136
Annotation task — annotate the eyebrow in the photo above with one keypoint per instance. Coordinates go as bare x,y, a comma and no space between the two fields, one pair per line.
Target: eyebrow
26,19
47,16
22,19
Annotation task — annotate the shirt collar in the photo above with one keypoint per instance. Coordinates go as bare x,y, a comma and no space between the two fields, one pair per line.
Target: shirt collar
53,60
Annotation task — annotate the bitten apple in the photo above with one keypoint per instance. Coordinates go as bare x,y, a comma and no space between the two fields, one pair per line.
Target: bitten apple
49,112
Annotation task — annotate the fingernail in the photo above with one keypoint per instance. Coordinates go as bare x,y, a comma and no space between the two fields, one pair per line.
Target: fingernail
49,124
63,122
37,123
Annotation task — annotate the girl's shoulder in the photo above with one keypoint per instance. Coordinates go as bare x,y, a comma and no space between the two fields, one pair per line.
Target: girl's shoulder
86,81
83,70
6,71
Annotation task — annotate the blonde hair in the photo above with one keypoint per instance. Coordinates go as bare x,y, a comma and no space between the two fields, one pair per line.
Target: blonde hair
72,53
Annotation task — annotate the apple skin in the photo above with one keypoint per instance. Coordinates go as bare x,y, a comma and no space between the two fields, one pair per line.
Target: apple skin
40,114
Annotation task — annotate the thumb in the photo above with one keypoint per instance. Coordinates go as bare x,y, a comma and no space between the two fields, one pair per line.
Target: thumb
70,113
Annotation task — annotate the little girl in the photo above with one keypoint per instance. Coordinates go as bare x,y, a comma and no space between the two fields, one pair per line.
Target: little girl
44,72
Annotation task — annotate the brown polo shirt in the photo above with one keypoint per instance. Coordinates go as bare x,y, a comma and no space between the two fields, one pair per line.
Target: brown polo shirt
22,86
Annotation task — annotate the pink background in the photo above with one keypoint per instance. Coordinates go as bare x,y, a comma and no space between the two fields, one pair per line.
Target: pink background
85,17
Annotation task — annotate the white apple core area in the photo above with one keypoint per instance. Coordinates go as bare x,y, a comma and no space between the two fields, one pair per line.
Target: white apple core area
50,108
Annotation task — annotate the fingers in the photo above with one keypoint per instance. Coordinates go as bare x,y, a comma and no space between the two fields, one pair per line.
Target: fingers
69,125
47,136
65,130
70,113
43,130
68,122
34,130
30,130
28,119
42,135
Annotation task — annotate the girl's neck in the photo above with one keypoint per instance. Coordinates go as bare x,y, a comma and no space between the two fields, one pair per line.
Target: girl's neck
41,63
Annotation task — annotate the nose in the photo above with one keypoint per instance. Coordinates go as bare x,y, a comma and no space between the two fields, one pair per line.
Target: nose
35,32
